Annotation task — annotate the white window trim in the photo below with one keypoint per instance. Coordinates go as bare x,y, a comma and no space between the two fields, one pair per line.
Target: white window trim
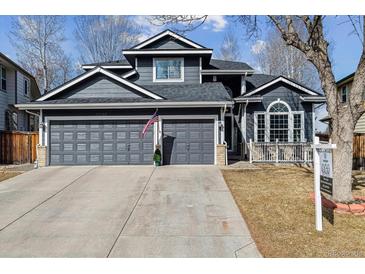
290,114
256,113
169,80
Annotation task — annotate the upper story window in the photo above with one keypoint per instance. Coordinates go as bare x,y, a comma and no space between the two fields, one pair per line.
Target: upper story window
26,86
344,93
3,78
168,69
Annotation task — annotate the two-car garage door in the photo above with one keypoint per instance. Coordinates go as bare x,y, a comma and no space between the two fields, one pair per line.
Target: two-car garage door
99,142
103,142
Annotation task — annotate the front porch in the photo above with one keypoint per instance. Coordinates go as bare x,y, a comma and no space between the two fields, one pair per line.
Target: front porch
274,152
280,152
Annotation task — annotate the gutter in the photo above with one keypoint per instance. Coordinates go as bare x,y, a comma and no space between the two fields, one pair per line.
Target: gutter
250,99
125,105
226,72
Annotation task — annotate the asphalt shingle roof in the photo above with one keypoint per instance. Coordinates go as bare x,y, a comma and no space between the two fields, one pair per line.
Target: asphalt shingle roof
228,65
175,93
256,80
191,92
122,62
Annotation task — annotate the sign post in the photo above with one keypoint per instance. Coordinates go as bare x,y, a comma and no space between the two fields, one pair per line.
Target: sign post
322,160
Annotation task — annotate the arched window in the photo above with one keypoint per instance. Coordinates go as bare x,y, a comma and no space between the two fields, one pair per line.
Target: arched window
279,112
280,123
279,107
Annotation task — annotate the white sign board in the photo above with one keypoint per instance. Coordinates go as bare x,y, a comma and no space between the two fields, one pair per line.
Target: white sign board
319,169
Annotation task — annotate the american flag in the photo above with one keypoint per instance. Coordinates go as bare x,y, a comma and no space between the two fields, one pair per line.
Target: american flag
150,122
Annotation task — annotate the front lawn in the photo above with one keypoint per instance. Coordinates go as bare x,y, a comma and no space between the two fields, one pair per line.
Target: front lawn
276,205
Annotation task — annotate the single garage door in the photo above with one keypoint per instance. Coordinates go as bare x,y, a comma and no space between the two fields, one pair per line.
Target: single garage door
188,141
99,142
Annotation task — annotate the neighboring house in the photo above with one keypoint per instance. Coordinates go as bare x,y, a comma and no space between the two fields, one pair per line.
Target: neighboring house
344,87
202,103
17,87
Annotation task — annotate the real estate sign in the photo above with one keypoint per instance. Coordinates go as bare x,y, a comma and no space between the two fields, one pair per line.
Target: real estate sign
325,159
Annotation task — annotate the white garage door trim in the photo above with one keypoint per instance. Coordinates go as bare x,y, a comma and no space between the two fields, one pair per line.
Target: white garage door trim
48,119
188,117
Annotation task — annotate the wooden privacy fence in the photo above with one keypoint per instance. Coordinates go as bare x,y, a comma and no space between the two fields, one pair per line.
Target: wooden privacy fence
359,151
18,147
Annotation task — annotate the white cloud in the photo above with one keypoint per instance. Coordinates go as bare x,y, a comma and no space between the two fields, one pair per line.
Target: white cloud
217,22
258,47
148,28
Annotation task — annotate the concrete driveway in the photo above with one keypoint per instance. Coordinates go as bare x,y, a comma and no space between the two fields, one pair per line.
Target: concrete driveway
115,211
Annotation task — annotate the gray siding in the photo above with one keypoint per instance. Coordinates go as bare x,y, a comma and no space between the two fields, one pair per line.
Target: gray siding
3,107
7,97
168,43
291,97
100,87
23,117
145,71
10,86
22,97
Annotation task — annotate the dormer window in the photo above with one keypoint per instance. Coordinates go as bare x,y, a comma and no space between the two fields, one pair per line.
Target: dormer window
168,69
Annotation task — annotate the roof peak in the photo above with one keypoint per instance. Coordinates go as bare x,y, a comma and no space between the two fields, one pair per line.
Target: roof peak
163,34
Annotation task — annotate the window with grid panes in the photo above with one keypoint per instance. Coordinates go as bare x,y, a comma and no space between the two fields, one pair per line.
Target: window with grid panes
297,127
261,128
279,127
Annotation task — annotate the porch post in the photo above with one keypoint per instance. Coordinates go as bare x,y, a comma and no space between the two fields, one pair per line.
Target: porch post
40,127
251,151
277,150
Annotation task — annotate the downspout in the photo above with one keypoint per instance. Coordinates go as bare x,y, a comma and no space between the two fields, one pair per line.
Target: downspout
244,120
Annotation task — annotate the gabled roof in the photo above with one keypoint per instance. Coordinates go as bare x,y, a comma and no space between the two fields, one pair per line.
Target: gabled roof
268,80
164,34
93,72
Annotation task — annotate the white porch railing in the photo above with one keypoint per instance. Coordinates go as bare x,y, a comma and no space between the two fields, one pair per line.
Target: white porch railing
280,152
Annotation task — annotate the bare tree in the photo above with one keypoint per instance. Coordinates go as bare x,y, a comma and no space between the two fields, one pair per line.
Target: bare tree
314,45
230,50
37,40
102,38
274,56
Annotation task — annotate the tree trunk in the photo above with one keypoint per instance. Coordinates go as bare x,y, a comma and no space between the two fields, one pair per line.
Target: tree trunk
342,135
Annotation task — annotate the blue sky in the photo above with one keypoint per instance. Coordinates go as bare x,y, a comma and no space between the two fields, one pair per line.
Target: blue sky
346,48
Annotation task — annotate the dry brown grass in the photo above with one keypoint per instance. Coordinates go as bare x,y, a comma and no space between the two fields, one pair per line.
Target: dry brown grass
4,175
275,203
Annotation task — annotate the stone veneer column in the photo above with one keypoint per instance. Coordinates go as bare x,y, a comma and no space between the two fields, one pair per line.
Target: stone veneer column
221,155
41,155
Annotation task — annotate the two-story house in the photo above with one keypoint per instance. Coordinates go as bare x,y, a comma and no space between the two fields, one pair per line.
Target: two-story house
202,104
17,87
